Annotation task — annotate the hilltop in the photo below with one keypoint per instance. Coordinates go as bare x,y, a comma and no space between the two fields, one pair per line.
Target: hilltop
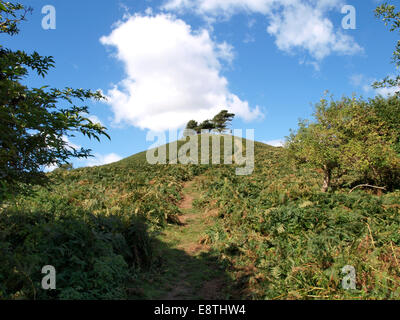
126,230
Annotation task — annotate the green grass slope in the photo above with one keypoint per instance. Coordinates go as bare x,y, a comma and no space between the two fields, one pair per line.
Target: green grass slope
276,234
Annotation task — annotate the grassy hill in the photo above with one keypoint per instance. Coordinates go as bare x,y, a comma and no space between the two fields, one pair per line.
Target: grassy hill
273,234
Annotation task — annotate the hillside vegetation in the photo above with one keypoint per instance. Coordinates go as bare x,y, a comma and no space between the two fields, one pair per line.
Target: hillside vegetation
94,225
326,202
282,238
91,224
275,233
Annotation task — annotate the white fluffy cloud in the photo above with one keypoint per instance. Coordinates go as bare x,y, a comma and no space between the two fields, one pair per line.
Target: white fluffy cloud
306,27
275,143
295,24
173,74
365,83
100,159
387,91
220,7
95,119
69,144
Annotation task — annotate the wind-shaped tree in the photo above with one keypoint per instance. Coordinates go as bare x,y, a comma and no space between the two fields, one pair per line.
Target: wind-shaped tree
222,119
220,122
193,125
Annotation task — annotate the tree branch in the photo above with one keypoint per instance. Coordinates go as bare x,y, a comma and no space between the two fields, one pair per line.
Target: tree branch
367,185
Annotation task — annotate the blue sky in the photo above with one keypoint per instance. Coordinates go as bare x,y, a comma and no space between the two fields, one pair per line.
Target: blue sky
162,63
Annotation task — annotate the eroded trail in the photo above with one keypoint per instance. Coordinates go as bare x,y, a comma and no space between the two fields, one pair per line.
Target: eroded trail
188,269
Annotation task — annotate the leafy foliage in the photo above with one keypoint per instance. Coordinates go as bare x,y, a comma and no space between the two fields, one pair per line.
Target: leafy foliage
275,232
33,123
92,254
282,238
193,125
278,235
10,15
94,225
218,123
354,140
222,119
389,15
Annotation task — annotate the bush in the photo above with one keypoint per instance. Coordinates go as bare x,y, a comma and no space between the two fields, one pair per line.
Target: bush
93,255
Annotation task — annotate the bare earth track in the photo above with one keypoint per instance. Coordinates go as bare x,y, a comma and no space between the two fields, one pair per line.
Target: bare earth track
188,268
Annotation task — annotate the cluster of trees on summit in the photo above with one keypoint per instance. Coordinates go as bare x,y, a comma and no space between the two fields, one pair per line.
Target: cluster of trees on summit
219,123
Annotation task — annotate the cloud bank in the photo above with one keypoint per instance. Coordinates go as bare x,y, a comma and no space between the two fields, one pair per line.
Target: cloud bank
173,74
100,159
275,143
295,24
365,83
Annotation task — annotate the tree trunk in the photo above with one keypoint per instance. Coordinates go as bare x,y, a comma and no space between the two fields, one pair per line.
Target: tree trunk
327,179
